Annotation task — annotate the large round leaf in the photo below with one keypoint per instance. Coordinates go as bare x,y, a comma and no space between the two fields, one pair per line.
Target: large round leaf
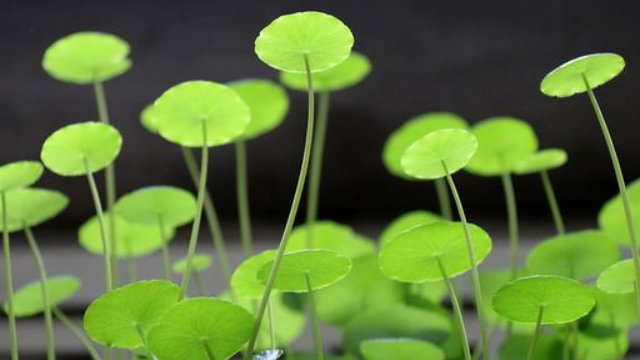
405,222
28,301
322,38
569,78
31,207
267,101
413,255
199,263
400,349
117,318
618,278
87,57
490,282
320,268
612,217
153,205
244,281
563,300
19,174
187,111
542,160
438,153
80,148
503,142
344,75
329,235
193,326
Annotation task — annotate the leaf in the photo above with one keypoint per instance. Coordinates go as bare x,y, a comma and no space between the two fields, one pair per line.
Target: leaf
542,160
194,324
199,263
490,282
564,300
618,278
322,38
547,347
244,281
119,317
28,301
406,221
185,112
148,119
87,57
612,219
321,267
81,148
152,205
615,310
31,207
413,255
400,349
19,174
594,347
267,101
342,76
438,153
567,79
330,235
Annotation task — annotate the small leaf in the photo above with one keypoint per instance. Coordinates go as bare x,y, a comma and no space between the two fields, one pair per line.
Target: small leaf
80,148
267,101
405,222
244,281
542,160
618,278
330,235
322,38
567,79
28,301
148,119
427,157
117,318
32,206
400,349
170,205
344,75
612,219
199,263
19,174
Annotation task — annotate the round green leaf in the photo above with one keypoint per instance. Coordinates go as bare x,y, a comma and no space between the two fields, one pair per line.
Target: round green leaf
427,157
330,235
618,278
579,255
503,142
148,119
152,205
80,148
244,281
542,160
615,310
410,132
344,75
117,318
131,240
28,301
187,111
199,263
400,349
564,300
490,282
192,325
405,222
31,207
87,57
413,255
320,267
322,38
569,78
19,174
267,101
612,219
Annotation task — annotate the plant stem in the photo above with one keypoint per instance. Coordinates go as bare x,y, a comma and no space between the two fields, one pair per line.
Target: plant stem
242,193
8,278
553,202
292,212
208,349
79,334
106,246
512,218
536,333
621,186
48,318
315,171
143,338
212,217
443,199
272,330
474,266
457,311
317,334
166,257
202,191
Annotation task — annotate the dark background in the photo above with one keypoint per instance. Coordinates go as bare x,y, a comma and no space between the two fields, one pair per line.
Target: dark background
476,58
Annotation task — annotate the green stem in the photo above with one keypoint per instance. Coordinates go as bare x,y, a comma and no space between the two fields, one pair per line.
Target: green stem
457,311
242,192
317,333
48,318
197,280
553,202
315,170
474,265
79,334
292,213
443,199
8,278
272,322
212,217
536,333
143,338
106,246
512,217
207,349
166,257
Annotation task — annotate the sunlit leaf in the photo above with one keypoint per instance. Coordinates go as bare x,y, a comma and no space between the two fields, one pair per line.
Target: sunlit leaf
244,281
19,174
28,301
267,101
618,278
199,263
330,235
152,205
612,217
405,222
32,206
344,75
400,349
542,160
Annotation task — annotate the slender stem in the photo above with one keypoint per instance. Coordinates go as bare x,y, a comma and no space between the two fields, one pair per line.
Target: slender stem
272,322
166,257
553,202
106,246
79,334
536,333
621,186
443,199
474,266
315,170
457,311
197,280
8,278
512,217
48,318
212,217
292,213
207,349
101,102
317,333
242,192
143,338
202,190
